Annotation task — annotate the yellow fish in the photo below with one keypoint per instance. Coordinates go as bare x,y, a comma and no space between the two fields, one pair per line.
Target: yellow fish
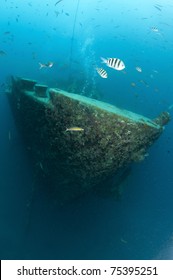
75,128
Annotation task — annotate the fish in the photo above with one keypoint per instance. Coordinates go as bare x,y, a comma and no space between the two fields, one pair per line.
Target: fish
9,135
123,241
2,53
67,14
170,107
144,82
139,69
46,65
41,165
154,29
7,32
102,73
133,84
57,13
158,8
159,5
114,63
75,128
58,2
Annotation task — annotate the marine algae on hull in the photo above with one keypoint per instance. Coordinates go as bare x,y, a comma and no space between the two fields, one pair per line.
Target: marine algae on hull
75,161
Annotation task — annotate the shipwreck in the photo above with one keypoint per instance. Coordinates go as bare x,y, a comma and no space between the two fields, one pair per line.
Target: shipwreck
77,144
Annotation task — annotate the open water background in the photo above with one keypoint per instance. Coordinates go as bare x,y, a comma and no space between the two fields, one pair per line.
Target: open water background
74,35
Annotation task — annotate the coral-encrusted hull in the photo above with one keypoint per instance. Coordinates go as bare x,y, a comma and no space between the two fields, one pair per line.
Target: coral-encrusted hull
76,161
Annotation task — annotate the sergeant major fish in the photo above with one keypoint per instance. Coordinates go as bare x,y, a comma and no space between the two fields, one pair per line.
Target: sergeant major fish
114,63
102,73
154,29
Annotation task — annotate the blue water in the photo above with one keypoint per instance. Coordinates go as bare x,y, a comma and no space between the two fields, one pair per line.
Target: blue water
74,35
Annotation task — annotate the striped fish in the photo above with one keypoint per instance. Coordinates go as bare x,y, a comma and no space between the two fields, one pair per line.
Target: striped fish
102,73
114,63
154,29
